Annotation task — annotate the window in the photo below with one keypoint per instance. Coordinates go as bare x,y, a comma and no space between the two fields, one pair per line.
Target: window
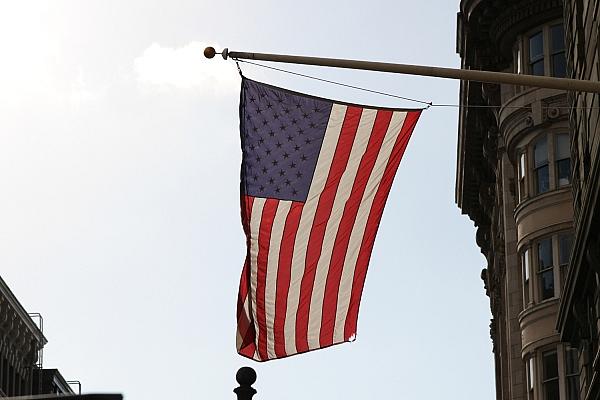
530,371
550,376
565,242
557,51
545,269
571,373
563,160
546,50
522,170
525,264
536,53
543,165
541,172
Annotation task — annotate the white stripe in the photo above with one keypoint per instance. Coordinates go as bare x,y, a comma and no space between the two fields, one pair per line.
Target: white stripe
363,134
332,133
272,263
255,218
358,230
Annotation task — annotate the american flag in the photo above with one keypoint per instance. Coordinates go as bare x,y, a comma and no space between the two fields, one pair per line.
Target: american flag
314,181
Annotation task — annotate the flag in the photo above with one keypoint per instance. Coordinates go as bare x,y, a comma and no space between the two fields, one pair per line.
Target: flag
315,177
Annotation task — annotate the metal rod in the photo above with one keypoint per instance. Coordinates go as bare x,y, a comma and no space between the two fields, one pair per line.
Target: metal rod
439,72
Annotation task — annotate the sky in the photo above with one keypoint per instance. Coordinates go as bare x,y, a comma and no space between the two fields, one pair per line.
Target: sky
119,210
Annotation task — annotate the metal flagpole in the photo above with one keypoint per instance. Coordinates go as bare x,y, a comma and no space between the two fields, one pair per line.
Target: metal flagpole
440,72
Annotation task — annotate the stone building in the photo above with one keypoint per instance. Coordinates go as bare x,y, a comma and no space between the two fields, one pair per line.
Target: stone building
579,310
21,344
520,176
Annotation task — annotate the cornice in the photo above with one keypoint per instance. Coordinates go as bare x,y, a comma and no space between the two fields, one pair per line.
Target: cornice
7,295
521,16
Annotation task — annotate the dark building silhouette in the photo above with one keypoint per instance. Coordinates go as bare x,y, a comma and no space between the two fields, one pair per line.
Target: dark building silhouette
527,175
21,345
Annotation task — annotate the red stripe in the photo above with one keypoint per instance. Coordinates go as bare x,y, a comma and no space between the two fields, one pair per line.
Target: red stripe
264,241
245,328
340,247
373,220
322,214
284,274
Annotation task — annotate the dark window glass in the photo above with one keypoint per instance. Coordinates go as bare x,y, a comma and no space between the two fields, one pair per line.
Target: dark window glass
557,36
540,158
572,373
550,374
536,54
543,179
563,159
545,268
557,42
547,284
540,152
545,254
559,65
571,360
564,248
563,172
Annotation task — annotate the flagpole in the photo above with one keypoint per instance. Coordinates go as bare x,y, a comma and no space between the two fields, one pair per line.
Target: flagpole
439,72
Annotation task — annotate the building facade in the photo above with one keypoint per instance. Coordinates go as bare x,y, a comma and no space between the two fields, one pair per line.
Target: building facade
579,310
522,178
21,344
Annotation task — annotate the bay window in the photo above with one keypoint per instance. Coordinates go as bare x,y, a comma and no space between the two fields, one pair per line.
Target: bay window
542,165
552,373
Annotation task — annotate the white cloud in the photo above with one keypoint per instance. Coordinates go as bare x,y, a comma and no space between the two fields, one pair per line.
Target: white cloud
184,68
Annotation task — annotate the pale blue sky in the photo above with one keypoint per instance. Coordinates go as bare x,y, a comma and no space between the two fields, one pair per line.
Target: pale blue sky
119,219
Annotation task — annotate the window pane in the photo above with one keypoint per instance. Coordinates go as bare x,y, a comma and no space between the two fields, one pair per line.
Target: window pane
547,284
536,46
521,165
530,374
573,387
557,34
542,179
550,361
540,150
571,360
537,68
562,146
564,248
559,65
551,390
545,254
526,264
563,172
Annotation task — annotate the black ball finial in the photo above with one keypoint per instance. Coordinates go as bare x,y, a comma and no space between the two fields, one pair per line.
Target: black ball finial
245,376
209,52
